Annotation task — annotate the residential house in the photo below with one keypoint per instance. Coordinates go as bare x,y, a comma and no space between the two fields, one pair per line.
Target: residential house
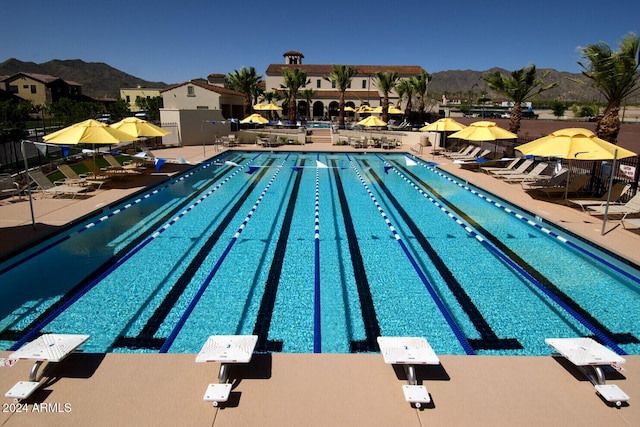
40,88
130,95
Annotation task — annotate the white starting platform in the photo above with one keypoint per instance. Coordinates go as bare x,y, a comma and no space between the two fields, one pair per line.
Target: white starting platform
409,351
225,349
50,348
590,356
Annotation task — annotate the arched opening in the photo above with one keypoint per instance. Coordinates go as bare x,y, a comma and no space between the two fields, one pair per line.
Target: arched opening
318,111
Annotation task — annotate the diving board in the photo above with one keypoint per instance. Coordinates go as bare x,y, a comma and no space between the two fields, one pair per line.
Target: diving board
52,348
590,356
409,351
226,350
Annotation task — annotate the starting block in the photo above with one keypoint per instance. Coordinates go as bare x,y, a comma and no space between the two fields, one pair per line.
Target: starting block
50,348
409,351
590,357
225,349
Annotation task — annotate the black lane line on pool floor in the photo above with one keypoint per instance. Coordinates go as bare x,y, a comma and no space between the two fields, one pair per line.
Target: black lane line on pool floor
617,337
268,302
367,308
489,340
146,338
13,335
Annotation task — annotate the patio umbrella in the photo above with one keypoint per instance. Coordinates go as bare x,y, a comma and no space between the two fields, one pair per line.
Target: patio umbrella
349,109
444,126
372,121
483,131
255,119
391,110
88,132
139,128
577,144
363,109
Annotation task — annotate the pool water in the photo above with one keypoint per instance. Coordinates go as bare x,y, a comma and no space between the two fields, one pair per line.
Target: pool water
318,252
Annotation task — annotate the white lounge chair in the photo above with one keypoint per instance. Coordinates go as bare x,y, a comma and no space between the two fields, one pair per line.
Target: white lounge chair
45,185
532,175
522,167
629,208
8,187
72,178
408,352
512,164
590,357
617,190
471,154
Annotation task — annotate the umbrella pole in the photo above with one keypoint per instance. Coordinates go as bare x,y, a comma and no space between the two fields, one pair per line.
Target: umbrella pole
606,208
26,172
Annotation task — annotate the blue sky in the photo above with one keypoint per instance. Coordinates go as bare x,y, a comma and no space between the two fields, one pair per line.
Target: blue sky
175,41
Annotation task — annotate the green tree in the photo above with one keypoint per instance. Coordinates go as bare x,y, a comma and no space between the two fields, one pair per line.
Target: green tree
247,82
406,89
521,86
308,95
294,79
386,82
421,86
614,74
14,114
558,108
120,109
341,75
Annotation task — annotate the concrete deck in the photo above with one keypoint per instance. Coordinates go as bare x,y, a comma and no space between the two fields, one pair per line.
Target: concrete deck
308,389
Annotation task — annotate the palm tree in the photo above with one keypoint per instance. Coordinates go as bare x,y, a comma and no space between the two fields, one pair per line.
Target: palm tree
308,95
421,86
342,76
406,88
614,74
386,82
294,79
523,85
247,82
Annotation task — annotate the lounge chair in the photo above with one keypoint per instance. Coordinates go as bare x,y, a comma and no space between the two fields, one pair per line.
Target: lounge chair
50,348
94,171
532,175
590,357
471,158
462,152
556,180
408,352
72,178
632,221
8,187
115,166
617,190
509,166
522,167
573,187
629,208
45,185
473,153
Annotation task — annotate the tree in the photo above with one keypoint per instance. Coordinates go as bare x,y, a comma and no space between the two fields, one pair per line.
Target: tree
386,82
523,85
308,95
421,86
247,82
14,114
120,109
405,88
341,75
614,74
558,108
294,79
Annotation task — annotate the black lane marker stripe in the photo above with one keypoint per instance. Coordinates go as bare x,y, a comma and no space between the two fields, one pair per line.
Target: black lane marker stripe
617,337
367,309
146,338
268,302
489,340
13,335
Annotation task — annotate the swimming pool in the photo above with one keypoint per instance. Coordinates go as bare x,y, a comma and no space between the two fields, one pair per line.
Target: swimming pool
318,252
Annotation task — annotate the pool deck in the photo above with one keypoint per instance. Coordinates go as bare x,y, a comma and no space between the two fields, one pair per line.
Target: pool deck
309,389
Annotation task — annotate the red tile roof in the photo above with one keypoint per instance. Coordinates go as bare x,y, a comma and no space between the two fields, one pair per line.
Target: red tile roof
362,70
213,88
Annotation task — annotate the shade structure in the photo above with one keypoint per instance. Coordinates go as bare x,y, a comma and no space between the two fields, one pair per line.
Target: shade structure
139,128
483,131
443,125
364,109
576,144
267,107
390,110
372,121
255,119
89,132
349,109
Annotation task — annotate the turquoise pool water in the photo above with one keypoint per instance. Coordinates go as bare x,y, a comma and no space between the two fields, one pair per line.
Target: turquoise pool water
318,252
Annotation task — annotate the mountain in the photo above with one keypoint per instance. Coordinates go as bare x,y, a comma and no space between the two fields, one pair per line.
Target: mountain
98,80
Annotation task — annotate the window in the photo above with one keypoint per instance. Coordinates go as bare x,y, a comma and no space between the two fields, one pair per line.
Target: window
201,107
191,91
33,88
333,84
13,88
25,86
364,83
128,98
318,83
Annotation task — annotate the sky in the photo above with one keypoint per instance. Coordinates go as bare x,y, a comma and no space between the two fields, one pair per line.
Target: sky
176,41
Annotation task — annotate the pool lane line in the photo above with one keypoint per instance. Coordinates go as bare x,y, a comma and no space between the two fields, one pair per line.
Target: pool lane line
586,323
434,295
534,224
36,330
183,319
317,308
488,340
101,219
146,338
367,308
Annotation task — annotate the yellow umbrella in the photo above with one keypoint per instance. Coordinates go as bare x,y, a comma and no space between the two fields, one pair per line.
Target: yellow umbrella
364,109
391,110
258,107
372,121
139,128
255,119
349,109
574,143
483,131
443,125
88,132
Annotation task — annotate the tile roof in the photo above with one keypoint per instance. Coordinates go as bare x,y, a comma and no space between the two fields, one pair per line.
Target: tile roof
362,70
213,88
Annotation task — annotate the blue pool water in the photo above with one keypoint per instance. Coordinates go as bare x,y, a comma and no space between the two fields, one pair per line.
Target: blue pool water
318,252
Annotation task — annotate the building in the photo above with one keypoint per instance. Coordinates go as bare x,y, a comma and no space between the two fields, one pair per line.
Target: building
130,95
40,88
325,102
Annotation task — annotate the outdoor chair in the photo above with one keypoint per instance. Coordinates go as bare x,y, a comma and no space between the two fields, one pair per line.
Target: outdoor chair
617,190
533,175
519,170
8,187
72,178
115,166
471,153
468,158
556,180
508,166
632,207
573,187
45,186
